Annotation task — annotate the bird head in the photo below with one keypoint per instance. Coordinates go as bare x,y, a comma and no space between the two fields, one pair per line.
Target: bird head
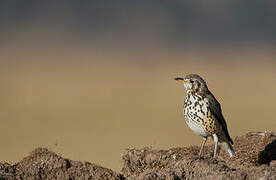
193,83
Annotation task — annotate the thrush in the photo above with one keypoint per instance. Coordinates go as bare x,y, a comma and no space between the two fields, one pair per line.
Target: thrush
203,113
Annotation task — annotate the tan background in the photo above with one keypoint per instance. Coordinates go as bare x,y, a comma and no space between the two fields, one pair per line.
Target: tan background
90,80
92,111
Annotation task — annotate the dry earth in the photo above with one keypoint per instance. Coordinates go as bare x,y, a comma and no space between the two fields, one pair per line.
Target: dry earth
255,159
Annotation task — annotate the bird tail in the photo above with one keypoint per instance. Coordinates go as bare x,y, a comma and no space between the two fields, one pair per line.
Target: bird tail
228,147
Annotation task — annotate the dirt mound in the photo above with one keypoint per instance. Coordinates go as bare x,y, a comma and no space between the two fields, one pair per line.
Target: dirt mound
44,164
255,159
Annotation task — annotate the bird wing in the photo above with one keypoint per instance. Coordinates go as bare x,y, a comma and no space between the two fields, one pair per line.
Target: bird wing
216,111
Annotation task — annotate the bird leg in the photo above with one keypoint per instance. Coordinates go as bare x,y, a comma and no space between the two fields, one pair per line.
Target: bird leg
216,144
202,146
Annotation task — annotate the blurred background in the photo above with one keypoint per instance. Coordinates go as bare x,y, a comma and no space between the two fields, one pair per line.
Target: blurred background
88,79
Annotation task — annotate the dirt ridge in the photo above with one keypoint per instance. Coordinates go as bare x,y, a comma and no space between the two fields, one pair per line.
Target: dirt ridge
255,159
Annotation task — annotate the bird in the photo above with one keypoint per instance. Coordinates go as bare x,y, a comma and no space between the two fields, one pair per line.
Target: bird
203,113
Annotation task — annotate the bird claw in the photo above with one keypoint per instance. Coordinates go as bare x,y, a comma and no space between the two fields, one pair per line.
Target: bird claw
200,158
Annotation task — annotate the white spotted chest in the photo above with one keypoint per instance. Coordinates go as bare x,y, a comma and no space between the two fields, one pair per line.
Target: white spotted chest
195,112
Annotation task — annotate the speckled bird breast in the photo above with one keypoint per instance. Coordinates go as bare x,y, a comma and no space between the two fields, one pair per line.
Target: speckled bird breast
198,116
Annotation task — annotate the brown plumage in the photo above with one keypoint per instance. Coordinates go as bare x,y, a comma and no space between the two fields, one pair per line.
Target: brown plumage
203,113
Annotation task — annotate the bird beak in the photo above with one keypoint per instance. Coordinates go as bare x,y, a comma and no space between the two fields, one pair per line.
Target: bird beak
180,79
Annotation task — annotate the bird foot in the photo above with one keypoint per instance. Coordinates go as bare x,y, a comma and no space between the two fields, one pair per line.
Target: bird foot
213,160
200,158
